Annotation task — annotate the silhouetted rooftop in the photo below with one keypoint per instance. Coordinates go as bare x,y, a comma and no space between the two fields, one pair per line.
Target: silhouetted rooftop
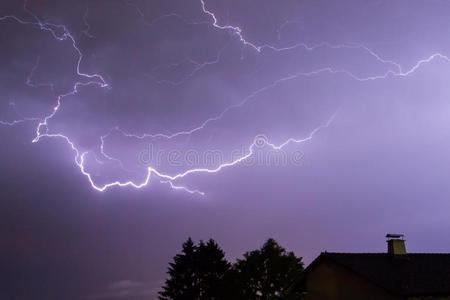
407,275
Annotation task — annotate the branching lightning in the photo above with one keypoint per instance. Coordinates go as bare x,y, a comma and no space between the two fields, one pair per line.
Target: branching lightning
43,131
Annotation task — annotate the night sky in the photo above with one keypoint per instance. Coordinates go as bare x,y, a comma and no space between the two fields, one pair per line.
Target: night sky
128,126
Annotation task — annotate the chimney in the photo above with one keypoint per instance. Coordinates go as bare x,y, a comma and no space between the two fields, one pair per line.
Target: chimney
396,244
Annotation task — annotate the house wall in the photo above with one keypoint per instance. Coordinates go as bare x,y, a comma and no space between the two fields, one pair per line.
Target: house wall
328,281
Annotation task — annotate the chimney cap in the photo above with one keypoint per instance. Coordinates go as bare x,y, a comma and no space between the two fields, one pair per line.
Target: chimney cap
395,236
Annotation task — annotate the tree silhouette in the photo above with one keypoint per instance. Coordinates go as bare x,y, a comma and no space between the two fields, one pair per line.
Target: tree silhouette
197,273
264,274
182,281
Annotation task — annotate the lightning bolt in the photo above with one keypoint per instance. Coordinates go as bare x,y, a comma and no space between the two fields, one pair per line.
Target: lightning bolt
86,31
42,129
171,178
175,187
398,72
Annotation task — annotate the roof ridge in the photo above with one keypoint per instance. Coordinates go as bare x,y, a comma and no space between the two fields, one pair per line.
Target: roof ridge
384,253
326,252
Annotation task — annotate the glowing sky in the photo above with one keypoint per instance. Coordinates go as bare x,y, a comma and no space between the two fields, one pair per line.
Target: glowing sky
129,125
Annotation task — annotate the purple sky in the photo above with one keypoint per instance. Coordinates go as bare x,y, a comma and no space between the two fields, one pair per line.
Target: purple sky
340,109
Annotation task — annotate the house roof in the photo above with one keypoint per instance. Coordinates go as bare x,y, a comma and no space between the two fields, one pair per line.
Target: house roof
407,274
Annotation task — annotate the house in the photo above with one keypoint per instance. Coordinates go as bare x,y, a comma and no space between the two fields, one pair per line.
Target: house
392,275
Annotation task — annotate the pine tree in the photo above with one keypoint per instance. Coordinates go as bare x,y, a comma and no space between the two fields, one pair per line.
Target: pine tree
196,274
182,282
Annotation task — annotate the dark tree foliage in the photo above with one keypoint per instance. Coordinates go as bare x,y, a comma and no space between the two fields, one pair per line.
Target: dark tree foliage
267,273
197,273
